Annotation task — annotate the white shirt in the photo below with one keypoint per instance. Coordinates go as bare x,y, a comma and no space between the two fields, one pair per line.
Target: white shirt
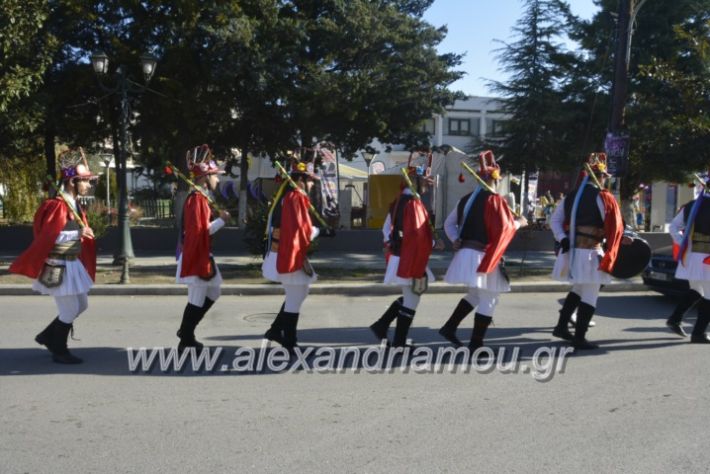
677,228
387,226
68,235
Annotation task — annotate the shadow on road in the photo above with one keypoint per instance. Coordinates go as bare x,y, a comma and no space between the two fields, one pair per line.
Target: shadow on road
114,361
644,307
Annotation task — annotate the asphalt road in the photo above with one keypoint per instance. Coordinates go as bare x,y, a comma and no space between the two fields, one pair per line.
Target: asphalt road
639,404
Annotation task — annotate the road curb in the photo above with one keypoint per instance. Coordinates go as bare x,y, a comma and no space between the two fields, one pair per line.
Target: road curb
345,289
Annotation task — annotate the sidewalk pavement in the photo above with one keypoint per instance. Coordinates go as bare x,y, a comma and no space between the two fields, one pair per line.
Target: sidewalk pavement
324,259
438,262
348,260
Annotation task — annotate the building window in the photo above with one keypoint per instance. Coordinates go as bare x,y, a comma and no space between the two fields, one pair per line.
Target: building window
459,126
495,128
429,126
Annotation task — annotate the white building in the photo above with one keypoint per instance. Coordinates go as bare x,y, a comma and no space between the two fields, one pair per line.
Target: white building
465,120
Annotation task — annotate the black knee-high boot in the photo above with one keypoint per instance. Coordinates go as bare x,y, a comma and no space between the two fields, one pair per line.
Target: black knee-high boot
448,330
480,326
701,324
45,337
290,324
584,315
379,328
684,305
568,308
54,337
190,318
404,322
275,332
203,310
206,307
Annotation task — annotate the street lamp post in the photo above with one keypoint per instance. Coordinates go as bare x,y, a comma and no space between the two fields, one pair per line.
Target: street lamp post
368,155
107,162
123,87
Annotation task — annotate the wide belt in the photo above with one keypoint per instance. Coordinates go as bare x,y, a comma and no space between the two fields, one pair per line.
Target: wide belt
66,250
473,244
58,256
588,237
701,242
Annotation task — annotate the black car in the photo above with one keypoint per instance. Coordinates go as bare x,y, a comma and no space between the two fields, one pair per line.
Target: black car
660,273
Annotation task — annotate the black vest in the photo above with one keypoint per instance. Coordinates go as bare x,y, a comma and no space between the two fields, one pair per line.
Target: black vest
397,219
278,209
587,212
474,228
702,220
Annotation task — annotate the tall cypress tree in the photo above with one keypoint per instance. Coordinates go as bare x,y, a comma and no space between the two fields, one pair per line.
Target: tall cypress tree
537,64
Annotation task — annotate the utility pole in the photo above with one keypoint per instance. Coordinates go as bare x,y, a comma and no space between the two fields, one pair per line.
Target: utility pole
616,143
621,67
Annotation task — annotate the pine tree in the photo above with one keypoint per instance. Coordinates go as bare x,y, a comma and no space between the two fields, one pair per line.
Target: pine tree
537,65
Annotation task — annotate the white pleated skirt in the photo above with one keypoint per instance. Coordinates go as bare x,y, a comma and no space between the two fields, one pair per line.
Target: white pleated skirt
299,277
76,280
195,280
462,271
391,277
585,268
693,269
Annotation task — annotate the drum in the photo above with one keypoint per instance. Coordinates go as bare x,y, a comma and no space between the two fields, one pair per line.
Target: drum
633,258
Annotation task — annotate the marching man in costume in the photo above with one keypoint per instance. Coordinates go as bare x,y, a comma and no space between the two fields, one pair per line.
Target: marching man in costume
690,230
196,266
481,227
289,235
62,256
409,239
587,225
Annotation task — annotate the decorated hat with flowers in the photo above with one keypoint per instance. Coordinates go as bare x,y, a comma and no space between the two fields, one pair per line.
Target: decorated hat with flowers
200,161
73,164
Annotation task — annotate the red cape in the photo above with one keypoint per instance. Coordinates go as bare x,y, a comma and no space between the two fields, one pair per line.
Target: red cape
49,220
613,230
416,241
500,229
196,243
295,237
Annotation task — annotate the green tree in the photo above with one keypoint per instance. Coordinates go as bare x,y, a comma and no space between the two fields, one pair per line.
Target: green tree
535,97
263,76
25,48
666,114
669,109
268,76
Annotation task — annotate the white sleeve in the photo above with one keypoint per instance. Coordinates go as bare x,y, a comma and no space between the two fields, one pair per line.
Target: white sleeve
216,224
677,227
557,221
315,232
387,228
451,225
67,236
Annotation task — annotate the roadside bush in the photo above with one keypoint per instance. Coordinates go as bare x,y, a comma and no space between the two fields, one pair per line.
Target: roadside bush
20,188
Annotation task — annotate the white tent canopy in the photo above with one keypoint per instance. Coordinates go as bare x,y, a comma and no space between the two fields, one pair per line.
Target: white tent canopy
262,168
445,168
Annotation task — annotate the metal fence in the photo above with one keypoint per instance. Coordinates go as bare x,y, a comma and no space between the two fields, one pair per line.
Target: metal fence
155,208
148,209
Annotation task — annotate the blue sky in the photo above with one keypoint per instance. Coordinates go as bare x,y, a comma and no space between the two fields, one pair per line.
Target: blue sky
474,25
